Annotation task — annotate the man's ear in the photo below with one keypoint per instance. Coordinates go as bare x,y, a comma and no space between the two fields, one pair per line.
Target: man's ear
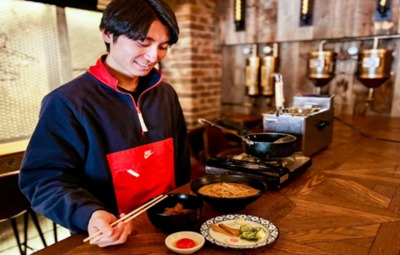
107,37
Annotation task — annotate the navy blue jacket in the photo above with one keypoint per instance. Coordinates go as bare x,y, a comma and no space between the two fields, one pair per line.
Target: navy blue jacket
89,137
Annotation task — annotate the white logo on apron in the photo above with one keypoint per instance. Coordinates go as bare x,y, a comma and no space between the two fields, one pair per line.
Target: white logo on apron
148,153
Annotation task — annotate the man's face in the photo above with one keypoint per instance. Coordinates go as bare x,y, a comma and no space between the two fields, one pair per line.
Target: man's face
136,58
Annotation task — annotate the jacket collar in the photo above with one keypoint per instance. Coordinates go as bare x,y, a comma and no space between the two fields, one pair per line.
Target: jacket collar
100,72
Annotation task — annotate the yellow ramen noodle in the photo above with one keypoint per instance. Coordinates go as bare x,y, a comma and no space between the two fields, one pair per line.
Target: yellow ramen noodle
228,190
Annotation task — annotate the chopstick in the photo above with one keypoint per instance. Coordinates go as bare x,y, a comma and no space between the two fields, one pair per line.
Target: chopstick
96,236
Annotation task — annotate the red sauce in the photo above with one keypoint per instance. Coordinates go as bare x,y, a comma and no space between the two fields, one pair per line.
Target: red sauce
185,243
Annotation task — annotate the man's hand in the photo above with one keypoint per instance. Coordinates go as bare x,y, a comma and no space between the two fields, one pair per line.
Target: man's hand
100,221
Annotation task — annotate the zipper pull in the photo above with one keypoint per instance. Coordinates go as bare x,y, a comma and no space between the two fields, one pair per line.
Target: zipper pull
141,120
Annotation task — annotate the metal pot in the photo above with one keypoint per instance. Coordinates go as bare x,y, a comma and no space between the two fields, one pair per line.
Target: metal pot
269,65
321,67
263,145
374,67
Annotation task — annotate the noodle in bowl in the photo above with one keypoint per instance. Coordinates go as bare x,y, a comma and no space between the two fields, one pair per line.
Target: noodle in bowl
228,192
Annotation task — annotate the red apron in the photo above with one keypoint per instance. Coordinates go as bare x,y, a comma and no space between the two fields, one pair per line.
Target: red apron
141,173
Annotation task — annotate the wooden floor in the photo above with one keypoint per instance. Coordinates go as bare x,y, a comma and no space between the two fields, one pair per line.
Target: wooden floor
354,188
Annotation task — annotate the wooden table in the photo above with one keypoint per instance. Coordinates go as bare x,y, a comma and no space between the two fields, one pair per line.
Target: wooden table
347,202
11,155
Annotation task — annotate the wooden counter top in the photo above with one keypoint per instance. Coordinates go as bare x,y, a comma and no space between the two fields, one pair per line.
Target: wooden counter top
13,147
347,202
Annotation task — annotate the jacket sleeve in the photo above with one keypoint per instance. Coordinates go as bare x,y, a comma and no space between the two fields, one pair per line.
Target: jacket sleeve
52,175
183,169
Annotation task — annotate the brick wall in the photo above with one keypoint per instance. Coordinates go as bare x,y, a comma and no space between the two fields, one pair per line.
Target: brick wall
194,65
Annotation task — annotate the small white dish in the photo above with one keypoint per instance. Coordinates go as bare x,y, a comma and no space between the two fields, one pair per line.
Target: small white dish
172,239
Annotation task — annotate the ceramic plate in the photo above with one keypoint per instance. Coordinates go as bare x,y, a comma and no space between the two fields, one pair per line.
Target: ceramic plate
235,242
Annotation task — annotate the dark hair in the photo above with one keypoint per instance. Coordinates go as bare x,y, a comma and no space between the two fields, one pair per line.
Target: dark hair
133,19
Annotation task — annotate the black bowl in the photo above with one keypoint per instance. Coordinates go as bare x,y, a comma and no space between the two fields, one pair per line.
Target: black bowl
229,204
168,223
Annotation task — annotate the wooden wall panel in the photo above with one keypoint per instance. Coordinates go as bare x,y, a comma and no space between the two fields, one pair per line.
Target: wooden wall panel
363,18
229,35
288,22
273,20
260,23
324,19
267,13
396,16
335,19
395,107
253,26
233,74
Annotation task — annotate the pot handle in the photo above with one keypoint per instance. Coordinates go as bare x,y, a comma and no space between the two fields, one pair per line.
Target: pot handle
202,121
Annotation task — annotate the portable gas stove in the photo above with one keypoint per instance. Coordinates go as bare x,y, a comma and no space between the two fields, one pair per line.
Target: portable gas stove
275,172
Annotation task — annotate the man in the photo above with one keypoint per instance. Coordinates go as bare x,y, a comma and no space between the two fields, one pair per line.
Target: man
111,139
